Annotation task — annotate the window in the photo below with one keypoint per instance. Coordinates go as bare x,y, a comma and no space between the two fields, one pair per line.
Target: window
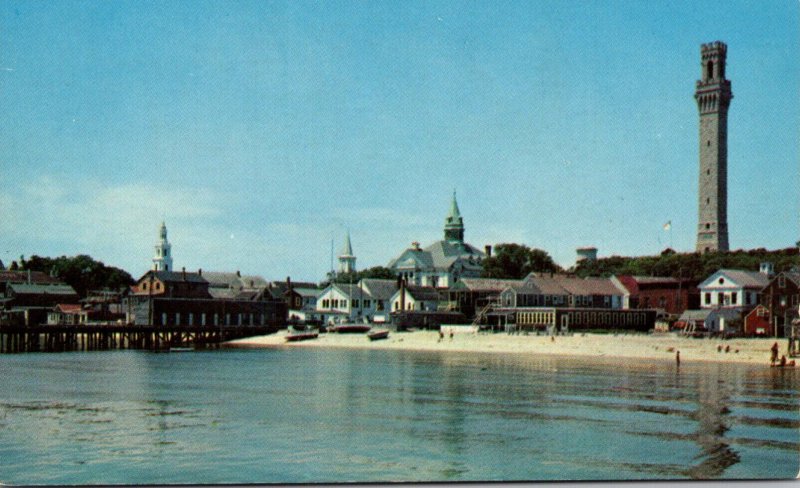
721,281
734,297
354,302
781,281
662,302
708,226
720,298
708,298
177,319
367,303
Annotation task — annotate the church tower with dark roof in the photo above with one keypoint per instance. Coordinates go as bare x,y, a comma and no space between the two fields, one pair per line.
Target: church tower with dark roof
454,224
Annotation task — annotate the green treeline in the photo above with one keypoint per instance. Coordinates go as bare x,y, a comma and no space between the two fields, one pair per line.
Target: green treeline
81,272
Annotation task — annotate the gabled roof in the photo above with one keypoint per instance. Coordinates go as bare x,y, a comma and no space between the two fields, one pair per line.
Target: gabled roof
350,290
423,293
23,277
440,255
546,284
36,289
70,308
221,279
744,279
175,276
793,276
485,284
308,292
379,289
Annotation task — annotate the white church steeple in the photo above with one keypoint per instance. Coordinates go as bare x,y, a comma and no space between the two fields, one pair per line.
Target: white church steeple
347,262
163,258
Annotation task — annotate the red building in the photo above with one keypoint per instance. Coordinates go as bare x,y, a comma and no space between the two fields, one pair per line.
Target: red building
672,295
757,322
782,296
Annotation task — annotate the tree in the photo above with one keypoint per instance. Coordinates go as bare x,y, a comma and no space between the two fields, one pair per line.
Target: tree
375,272
515,261
81,272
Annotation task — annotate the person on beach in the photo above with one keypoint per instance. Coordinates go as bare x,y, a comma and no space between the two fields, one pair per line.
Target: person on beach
774,354
783,362
451,334
678,358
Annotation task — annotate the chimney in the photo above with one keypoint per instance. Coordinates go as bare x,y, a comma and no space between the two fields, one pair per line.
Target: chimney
488,250
200,271
238,274
289,283
402,294
183,271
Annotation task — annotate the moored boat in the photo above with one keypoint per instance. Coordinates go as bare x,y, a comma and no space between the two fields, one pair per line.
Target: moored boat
378,334
352,328
301,336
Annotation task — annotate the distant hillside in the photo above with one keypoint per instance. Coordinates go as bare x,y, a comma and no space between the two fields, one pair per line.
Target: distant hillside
694,266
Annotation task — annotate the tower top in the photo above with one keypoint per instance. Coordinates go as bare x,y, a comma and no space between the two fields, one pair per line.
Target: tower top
454,223
347,250
162,261
347,261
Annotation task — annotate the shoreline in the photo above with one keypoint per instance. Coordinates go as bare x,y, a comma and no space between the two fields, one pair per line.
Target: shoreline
622,346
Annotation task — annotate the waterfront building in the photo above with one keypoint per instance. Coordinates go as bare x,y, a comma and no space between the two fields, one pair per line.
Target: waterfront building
168,298
757,322
369,300
340,302
713,95
415,298
781,297
443,263
222,284
671,295
162,261
732,288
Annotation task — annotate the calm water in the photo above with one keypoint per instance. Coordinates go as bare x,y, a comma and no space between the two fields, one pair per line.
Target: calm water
307,415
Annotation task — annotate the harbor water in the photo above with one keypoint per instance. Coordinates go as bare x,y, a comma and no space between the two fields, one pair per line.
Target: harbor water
300,415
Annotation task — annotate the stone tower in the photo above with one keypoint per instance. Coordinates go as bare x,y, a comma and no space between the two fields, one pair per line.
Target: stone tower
453,223
347,261
163,258
713,97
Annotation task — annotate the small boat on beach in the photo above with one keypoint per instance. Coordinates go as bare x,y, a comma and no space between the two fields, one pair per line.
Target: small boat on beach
352,328
376,335
302,336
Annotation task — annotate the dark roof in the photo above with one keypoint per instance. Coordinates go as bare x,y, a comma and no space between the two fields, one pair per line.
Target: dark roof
35,289
175,276
380,289
22,277
423,293
485,284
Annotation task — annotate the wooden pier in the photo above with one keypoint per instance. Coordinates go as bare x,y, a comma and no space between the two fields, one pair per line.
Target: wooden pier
61,338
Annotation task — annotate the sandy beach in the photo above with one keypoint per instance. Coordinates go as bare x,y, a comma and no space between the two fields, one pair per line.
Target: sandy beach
630,346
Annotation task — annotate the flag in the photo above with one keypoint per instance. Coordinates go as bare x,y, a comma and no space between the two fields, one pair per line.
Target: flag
668,225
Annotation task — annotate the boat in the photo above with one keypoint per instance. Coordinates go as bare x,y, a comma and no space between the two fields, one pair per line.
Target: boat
352,328
378,334
302,336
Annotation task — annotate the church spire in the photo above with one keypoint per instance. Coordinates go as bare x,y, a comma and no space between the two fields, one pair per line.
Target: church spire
347,261
162,261
453,223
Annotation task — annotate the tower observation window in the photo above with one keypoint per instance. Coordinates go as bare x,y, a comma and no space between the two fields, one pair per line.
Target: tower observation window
710,69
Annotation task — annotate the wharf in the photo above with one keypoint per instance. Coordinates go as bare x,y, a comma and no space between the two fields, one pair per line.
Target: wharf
61,338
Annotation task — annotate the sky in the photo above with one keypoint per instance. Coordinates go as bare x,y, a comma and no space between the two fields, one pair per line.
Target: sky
261,132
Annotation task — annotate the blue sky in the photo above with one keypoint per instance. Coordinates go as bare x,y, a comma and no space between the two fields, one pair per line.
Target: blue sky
260,131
